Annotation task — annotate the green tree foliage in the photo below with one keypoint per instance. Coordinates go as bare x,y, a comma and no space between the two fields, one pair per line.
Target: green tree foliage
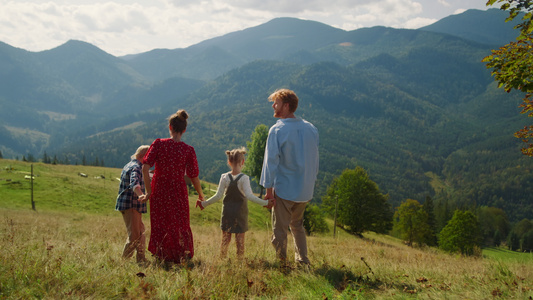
1,156
314,220
512,64
256,153
46,158
523,227
443,212
527,241
493,224
521,235
30,158
361,206
513,241
478,176
411,221
429,207
461,234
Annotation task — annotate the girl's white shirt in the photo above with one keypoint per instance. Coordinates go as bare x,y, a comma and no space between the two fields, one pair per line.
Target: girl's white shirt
243,184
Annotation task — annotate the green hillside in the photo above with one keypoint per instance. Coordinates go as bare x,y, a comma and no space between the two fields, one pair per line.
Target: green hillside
58,187
61,188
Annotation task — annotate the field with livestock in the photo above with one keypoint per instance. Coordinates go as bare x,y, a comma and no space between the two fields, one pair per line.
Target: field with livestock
70,247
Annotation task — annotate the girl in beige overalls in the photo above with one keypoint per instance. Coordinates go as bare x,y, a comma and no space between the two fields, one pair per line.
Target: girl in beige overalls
236,189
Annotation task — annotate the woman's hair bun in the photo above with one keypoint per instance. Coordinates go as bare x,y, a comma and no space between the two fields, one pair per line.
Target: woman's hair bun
178,121
182,114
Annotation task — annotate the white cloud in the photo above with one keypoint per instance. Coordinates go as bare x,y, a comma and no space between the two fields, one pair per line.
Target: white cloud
131,26
391,13
111,25
459,11
418,22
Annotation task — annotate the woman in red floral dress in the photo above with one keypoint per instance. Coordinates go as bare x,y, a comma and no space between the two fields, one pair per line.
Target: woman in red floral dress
171,236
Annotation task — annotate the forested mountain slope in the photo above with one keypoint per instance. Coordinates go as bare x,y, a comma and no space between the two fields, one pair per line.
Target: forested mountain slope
416,108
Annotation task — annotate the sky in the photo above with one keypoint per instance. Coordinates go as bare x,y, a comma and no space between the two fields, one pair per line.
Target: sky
121,27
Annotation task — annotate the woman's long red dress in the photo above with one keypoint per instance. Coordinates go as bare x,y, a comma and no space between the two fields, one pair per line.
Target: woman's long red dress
171,236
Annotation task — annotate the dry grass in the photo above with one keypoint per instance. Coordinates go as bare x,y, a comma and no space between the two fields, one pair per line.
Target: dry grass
74,255
70,249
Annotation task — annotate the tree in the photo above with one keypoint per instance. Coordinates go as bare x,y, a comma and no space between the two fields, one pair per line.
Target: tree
46,158
411,221
443,212
513,241
523,227
498,238
512,64
527,241
256,153
461,234
314,220
521,234
1,156
429,207
493,224
361,207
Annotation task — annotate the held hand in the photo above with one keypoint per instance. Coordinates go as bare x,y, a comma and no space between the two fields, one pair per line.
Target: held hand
199,204
271,203
143,198
146,197
269,194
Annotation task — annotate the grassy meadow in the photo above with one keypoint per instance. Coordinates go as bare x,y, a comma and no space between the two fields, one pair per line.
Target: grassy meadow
69,248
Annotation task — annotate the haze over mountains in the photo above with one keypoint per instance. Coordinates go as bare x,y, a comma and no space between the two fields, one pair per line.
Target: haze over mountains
416,108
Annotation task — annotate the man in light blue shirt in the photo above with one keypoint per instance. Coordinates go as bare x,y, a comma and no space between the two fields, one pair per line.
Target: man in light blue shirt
290,168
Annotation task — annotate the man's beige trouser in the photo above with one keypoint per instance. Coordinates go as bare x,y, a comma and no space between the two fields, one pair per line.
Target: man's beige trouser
284,215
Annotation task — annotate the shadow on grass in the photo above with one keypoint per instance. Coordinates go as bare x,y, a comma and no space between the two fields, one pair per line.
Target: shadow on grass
339,277
342,278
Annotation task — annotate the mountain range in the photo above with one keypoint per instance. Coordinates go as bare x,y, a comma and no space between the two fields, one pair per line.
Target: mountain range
416,108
